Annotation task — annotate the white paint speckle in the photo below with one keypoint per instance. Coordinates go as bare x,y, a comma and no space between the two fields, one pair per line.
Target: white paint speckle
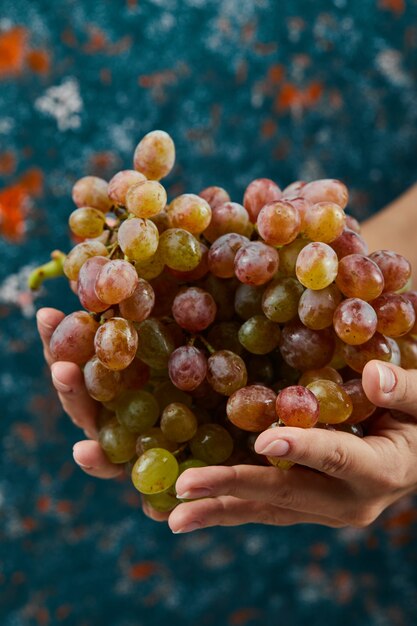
62,102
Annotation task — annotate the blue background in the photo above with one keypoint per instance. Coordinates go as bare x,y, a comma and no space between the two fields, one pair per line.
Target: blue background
246,88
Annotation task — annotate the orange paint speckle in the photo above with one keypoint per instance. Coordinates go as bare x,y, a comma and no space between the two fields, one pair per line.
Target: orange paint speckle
43,504
64,506
42,616
32,181
396,6
243,616
319,550
96,42
39,61
268,128
7,163
26,433
275,73
291,96
12,51
402,520
106,76
63,612
29,523
143,570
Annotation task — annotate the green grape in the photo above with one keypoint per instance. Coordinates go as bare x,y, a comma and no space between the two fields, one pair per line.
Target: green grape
316,266
324,222
146,198
102,384
323,373
316,307
87,222
178,423
260,369
163,502
280,299
259,335
93,192
151,268
190,464
212,444
118,443
288,256
190,212
155,155
252,408
166,393
179,249
248,301
116,342
334,402
120,184
154,438
155,343
225,336
137,410
76,258
155,471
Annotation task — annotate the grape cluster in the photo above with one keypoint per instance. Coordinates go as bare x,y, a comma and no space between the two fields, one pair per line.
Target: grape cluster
207,321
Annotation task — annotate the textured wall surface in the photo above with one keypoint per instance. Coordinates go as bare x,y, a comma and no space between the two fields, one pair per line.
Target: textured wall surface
284,89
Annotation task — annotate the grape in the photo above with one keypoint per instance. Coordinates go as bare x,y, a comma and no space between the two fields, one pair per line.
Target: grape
92,191
278,223
137,410
212,444
189,212
163,502
180,250
316,265
138,238
86,281
226,372
326,190
395,313
155,155
259,335
139,305
161,221
155,343
155,471
222,291
324,221
189,464
256,263
316,307
116,342
376,348
165,288
166,393
408,348
395,269
135,375
150,268
359,277
323,373
102,384
252,408
221,256
355,321
293,190
412,298
146,198
117,442
178,422
260,369
349,242
297,406
362,407
288,256
395,351
214,196
187,367
335,405
116,281
229,217
305,349
198,272
120,184
73,338
258,193
79,255
225,336
248,301
353,224
154,438
86,222
280,299
194,309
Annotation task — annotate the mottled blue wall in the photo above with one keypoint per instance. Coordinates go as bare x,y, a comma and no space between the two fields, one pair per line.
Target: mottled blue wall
288,90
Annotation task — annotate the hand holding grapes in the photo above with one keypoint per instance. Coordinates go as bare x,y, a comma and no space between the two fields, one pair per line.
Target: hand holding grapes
360,477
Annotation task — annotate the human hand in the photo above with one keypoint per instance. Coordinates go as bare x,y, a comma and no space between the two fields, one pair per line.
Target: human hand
341,480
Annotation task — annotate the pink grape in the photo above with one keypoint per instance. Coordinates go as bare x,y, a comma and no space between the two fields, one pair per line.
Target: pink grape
116,281
120,183
194,309
258,193
116,342
256,263
86,282
221,256
140,304
92,191
278,223
73,338
326,190
187,367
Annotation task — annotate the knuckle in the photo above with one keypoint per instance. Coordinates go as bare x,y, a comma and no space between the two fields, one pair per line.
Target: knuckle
363,517
285,496
336,461
232,481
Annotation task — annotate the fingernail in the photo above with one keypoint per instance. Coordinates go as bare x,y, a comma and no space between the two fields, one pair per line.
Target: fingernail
86,467
276,448
188,529
387,380
193,494
41,321
59,385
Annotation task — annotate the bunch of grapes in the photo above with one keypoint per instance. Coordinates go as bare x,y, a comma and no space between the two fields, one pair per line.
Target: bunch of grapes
206,321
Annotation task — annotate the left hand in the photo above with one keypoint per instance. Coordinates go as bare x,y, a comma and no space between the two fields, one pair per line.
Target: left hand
356,479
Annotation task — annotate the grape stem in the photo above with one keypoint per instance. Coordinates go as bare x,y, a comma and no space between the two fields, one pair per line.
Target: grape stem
52,269
208,346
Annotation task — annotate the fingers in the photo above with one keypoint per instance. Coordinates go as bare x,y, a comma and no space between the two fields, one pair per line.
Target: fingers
335,453
47,321
297,489
150,512
391,387
230,511
91,459
68,380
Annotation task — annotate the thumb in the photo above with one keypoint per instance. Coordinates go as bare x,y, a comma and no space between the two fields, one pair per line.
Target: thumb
391,387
